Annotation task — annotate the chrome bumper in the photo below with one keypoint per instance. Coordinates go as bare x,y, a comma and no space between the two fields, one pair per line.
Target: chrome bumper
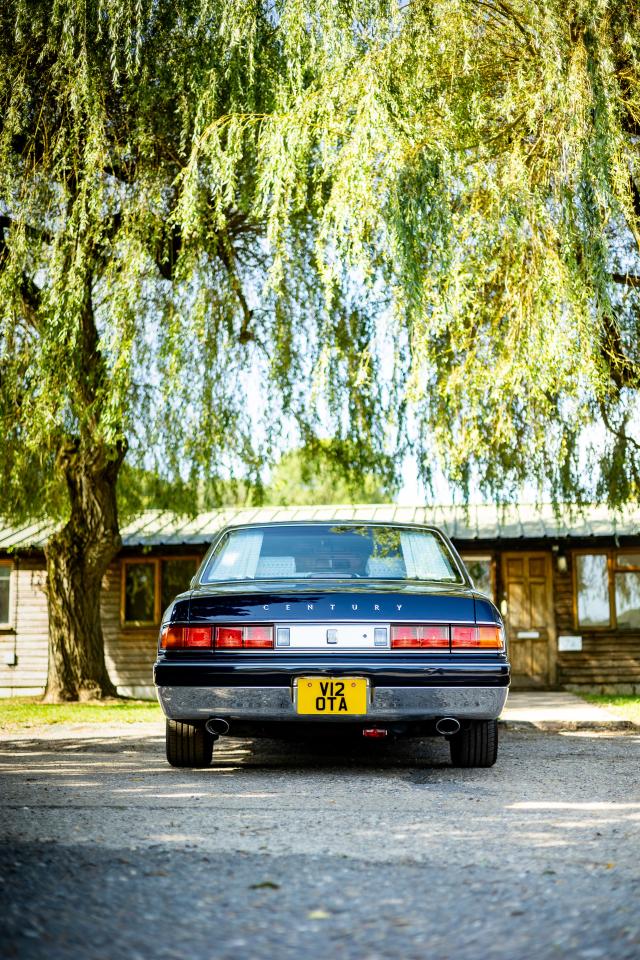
386,703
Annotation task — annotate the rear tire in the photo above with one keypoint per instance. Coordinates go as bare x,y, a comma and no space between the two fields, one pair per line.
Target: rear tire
475,745
188,744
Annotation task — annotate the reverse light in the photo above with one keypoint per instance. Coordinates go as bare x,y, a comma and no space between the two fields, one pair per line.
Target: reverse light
179,638
419,636
254,638
477,638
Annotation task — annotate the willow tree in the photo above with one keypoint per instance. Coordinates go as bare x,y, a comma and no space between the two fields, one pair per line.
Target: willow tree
136,319
353,213
483,157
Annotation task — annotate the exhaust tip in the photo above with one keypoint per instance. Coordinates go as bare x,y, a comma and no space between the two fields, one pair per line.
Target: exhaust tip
447,726
216,726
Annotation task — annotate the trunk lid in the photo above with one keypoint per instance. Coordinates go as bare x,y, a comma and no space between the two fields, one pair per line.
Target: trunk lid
347,605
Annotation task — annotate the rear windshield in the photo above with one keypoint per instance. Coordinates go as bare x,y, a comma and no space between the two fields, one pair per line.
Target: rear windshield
330,551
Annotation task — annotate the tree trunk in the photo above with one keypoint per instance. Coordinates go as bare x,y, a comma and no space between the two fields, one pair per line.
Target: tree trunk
77,559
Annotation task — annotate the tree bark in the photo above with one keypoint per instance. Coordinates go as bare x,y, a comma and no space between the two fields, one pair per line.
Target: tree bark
77,558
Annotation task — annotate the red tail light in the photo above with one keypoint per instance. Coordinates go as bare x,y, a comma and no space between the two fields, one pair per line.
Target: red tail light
256,638
197,636
426,636
484,638
229,637
419,636
180,637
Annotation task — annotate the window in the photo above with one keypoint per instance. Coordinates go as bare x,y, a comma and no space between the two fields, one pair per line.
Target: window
149,586
331,551
608,589
140,592
480,570
592,590
627,590
5,593
175,576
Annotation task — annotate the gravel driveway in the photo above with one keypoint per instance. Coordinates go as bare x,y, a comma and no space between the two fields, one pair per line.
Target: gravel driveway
326,850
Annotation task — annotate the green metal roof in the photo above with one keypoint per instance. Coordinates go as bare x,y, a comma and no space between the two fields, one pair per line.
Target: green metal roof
473,523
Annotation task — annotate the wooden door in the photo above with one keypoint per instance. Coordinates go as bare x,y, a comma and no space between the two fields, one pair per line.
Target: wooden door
528,612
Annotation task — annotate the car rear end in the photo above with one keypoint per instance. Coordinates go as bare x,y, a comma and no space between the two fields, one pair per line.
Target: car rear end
381,656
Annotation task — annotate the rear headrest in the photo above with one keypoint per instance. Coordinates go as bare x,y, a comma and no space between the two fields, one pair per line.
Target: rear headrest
390,567
276,567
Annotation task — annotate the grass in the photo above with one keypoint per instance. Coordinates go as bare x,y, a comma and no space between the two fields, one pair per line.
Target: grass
24,712
628,708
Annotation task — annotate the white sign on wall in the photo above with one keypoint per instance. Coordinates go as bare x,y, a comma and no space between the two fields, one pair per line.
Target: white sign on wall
567,644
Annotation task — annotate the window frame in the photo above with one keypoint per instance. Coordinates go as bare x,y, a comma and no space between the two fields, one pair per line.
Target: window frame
615,568
10,623
156,561
612,569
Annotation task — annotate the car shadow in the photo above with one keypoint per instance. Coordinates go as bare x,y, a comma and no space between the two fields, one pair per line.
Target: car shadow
303,753
311,753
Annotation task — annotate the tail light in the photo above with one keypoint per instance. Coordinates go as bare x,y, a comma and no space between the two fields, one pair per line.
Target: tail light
415,636
229,637
243,638
426,636
173,638
477,638
226,638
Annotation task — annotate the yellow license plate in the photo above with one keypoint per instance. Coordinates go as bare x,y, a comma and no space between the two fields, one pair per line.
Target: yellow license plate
332,696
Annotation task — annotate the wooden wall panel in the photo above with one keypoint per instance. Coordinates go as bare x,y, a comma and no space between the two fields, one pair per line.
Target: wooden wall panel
129,652
609,660
27,637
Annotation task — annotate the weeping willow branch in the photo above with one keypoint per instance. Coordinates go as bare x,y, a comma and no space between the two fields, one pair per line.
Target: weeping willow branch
626,279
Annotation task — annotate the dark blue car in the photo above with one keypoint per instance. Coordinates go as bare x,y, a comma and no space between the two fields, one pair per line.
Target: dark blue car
289,627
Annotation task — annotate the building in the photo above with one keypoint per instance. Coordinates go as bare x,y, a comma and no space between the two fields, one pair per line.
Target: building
568,586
